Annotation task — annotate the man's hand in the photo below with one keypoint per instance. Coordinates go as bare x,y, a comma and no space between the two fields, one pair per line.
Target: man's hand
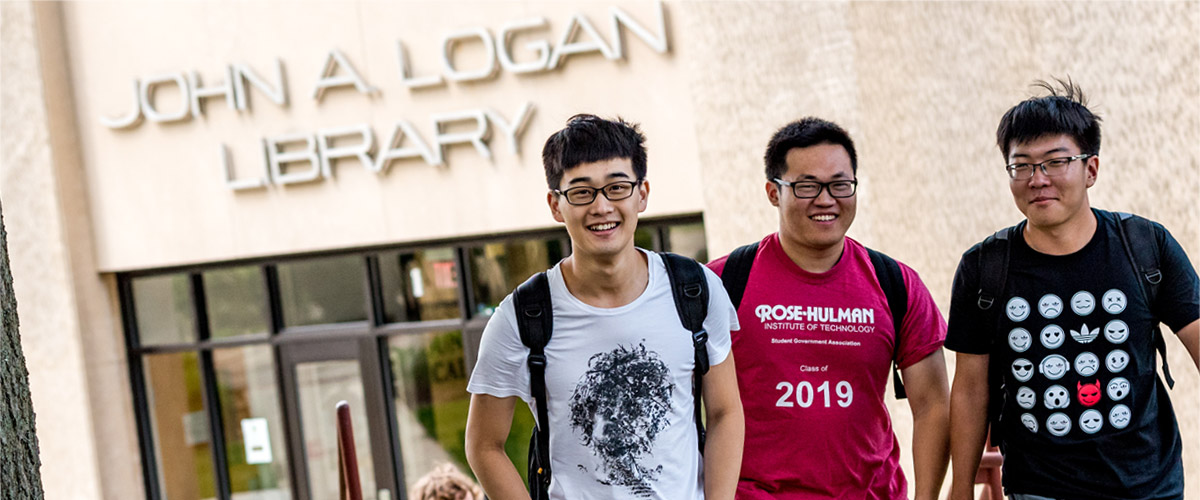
929,398
968,422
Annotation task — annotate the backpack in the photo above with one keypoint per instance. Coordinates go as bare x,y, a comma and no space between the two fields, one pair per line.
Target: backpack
1140,242
535,323
887,271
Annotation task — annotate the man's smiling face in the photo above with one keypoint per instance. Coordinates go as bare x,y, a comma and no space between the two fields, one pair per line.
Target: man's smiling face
603,227
814,223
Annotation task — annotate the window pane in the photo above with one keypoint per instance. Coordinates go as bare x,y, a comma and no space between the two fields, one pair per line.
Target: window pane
645,237
419,286
237,301
430,383
321,385
497,268
164,309
254,440
688,240
327,290
180,426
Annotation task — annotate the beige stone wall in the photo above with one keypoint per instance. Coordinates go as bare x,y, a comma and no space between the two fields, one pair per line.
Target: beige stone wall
921,87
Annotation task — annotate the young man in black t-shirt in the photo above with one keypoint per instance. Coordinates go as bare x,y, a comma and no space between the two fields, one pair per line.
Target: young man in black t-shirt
1067,347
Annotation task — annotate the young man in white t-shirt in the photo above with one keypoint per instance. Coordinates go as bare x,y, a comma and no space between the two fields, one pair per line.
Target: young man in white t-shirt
619,363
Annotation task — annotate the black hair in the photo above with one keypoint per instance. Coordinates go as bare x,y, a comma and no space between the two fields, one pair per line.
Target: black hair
589,138
1063,111
808,131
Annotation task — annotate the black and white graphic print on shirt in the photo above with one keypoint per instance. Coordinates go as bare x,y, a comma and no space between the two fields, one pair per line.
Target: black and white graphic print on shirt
618,409
1068,349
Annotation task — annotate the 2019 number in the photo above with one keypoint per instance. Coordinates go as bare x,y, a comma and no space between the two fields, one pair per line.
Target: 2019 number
805,393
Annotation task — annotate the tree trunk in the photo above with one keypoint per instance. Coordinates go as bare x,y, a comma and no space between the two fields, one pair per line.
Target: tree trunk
19,463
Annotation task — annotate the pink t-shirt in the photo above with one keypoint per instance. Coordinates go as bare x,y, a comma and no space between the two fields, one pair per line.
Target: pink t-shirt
813,357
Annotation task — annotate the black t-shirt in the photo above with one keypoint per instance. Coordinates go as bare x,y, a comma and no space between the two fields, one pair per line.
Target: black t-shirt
1084,414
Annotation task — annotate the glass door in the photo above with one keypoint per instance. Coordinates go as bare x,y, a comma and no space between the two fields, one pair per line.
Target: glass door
317,375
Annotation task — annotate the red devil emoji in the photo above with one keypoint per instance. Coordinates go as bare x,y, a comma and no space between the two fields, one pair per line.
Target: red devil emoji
1089,394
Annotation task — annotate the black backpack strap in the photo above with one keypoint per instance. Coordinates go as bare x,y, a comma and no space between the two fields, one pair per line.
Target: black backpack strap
993,273
737,272
1141,245
891,280
535,323
689,287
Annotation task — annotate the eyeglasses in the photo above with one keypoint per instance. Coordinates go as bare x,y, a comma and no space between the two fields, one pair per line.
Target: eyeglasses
1051,167
585,195
812,189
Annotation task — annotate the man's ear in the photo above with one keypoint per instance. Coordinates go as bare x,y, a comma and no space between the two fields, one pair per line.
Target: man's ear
553,200
1092,170
644,192
773,193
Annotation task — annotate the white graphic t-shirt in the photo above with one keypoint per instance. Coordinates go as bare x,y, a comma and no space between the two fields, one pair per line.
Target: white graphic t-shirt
618,385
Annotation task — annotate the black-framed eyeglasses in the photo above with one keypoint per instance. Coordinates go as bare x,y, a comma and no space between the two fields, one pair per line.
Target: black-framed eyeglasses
812,189
585,195
1051,167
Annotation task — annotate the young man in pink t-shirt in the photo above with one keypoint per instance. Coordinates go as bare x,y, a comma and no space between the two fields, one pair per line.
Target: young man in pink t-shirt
817,342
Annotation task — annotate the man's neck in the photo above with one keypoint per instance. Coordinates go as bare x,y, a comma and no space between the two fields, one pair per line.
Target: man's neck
813,260
1062,239
610,281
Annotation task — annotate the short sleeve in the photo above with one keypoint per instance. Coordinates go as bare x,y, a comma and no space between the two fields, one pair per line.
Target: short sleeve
722,318
1177,303
500,370
966,331
923,330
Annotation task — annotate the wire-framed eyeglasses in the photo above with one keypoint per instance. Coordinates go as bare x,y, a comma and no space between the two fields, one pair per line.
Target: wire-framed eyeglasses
1052,167
585,195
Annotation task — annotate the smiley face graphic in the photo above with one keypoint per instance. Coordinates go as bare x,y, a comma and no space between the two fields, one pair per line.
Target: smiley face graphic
1022,369
1113,301
1054,366
1056,397
1116,360
1091,421
1017,309
1053,336
1058,424
1026,397
1119,416
1050,306
1089,394
1030,422
1083,303
1019,339
1116,331
1086,364
1118,388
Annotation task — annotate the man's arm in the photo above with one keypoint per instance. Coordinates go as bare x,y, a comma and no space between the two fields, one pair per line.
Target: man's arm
929,398
726,431
968,422
488,423
1190,336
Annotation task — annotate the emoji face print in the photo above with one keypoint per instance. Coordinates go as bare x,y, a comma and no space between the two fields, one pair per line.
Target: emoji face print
1058,424
1050,306
1091,421
1030,422
1118,388
1053,336
1026,398
1083,303
1017,309
1089,394
1116,360
1118,416
1019,339
1054,367
1116,331
1086,364
1056,397
1084,335
1022,369
1113,301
